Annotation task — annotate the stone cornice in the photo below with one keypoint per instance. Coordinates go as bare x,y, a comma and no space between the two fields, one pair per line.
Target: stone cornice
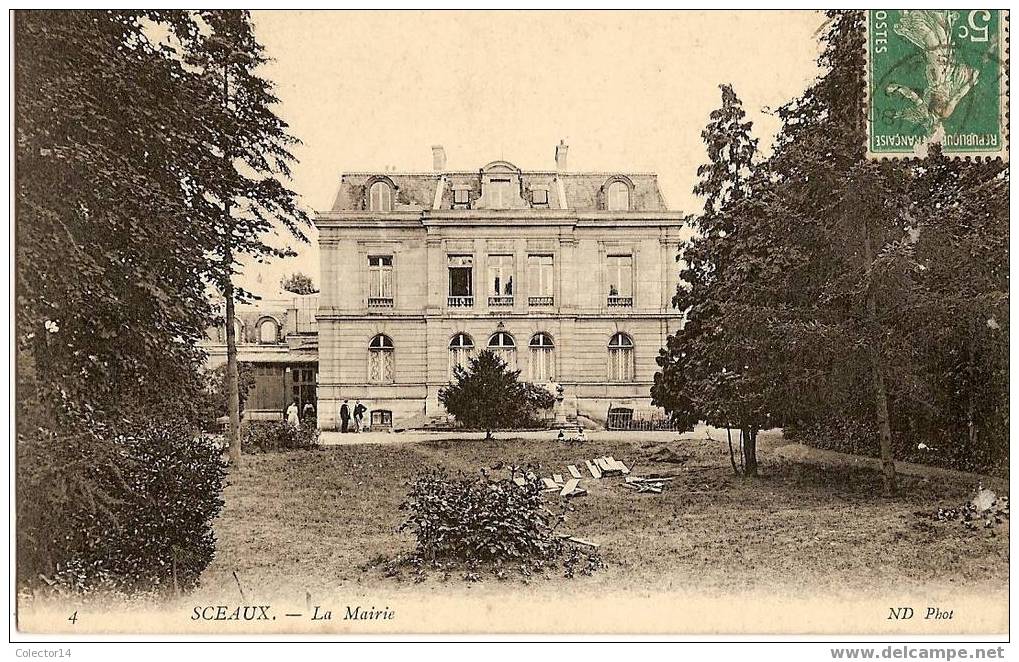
404,220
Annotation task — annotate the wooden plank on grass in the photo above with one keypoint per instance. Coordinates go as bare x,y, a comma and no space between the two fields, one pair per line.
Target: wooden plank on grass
569,487
550,484
574,471
608,468
558,478
519,480
595,471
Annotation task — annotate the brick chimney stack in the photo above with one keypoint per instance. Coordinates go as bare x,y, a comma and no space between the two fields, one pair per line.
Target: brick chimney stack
560,155
438,158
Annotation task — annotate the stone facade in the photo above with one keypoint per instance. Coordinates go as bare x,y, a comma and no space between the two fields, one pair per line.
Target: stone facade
569,275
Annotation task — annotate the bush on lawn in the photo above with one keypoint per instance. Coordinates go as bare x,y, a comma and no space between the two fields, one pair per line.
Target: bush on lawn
471,519
124,512
274,436
487,395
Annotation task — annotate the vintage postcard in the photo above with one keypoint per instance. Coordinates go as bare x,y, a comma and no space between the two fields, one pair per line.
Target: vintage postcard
511,323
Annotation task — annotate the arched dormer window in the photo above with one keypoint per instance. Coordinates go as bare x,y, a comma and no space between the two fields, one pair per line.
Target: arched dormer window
268,331
617,196
380,196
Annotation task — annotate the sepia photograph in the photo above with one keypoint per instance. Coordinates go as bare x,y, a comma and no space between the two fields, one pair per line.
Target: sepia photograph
512,323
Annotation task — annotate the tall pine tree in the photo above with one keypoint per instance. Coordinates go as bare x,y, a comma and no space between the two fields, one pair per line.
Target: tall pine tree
253,147
712,368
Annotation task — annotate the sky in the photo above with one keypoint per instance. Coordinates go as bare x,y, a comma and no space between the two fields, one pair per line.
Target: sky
627,91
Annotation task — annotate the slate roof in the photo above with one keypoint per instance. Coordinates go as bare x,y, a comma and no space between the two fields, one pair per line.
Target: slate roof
416,190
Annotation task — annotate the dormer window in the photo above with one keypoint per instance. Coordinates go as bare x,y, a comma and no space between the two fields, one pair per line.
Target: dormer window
539,197
499,193
380,197
501,188
461,196
618,196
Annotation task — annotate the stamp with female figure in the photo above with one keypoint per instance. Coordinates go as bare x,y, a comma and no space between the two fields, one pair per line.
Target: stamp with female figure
937,76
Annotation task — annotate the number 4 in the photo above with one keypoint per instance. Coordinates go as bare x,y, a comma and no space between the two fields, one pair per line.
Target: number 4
74,617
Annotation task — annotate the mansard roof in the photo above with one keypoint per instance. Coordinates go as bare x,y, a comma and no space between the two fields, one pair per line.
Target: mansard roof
579,191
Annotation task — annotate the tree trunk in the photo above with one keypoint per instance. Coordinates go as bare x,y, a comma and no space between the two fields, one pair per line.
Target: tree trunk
971,405
749,436
732,456
880,393
233,400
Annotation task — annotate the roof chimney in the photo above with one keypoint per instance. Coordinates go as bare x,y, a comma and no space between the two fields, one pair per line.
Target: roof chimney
560,155
438,158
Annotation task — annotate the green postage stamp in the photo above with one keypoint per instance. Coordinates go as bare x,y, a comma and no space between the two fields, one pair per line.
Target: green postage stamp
937,76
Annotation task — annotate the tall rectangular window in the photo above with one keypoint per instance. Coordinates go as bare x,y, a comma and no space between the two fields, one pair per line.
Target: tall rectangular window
620,280
539,273
461,280
500,280
380,280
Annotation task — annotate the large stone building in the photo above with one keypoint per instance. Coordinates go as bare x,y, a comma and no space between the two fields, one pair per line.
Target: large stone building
568,275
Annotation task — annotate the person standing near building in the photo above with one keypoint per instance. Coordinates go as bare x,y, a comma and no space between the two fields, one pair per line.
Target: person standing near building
308,414
292,414
344,416
359,410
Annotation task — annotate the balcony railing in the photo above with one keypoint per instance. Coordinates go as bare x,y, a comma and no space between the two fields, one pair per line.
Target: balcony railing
460,302
540,301
500,301
380,302
620,302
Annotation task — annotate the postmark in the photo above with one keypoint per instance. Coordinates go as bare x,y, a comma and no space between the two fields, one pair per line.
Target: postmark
937,76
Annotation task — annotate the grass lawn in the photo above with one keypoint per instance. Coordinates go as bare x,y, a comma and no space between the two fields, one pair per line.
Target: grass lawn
316,518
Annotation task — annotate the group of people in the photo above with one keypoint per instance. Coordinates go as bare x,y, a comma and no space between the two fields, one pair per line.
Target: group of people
347,414
356,413
295,415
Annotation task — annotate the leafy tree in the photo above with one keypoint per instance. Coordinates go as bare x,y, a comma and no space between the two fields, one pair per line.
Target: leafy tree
131,173
894,275
113,232
488,395
253,147
955,261
298,283
715,368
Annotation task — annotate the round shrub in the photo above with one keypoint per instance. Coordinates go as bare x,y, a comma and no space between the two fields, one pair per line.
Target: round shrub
476,520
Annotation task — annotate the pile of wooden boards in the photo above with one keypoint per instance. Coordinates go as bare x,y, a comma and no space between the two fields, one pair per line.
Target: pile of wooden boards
646,485
600,467
566,488
606,466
